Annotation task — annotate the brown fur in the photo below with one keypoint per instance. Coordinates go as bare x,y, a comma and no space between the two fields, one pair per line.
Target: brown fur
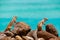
51,29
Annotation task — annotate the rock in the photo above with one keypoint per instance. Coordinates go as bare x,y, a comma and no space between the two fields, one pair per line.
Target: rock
41,39
18,37
4,38
8,33
27,38
45,35
51,29
33,34
13,39
21,28
51,39
59,38
2,35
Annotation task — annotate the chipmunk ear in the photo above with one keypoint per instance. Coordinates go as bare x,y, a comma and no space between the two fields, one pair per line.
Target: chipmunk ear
14,18
46,19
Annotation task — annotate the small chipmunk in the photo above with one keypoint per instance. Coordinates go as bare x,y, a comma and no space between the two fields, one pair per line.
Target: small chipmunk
41,23
11,23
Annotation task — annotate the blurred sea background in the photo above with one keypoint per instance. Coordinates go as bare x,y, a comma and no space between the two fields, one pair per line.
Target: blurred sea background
30,12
